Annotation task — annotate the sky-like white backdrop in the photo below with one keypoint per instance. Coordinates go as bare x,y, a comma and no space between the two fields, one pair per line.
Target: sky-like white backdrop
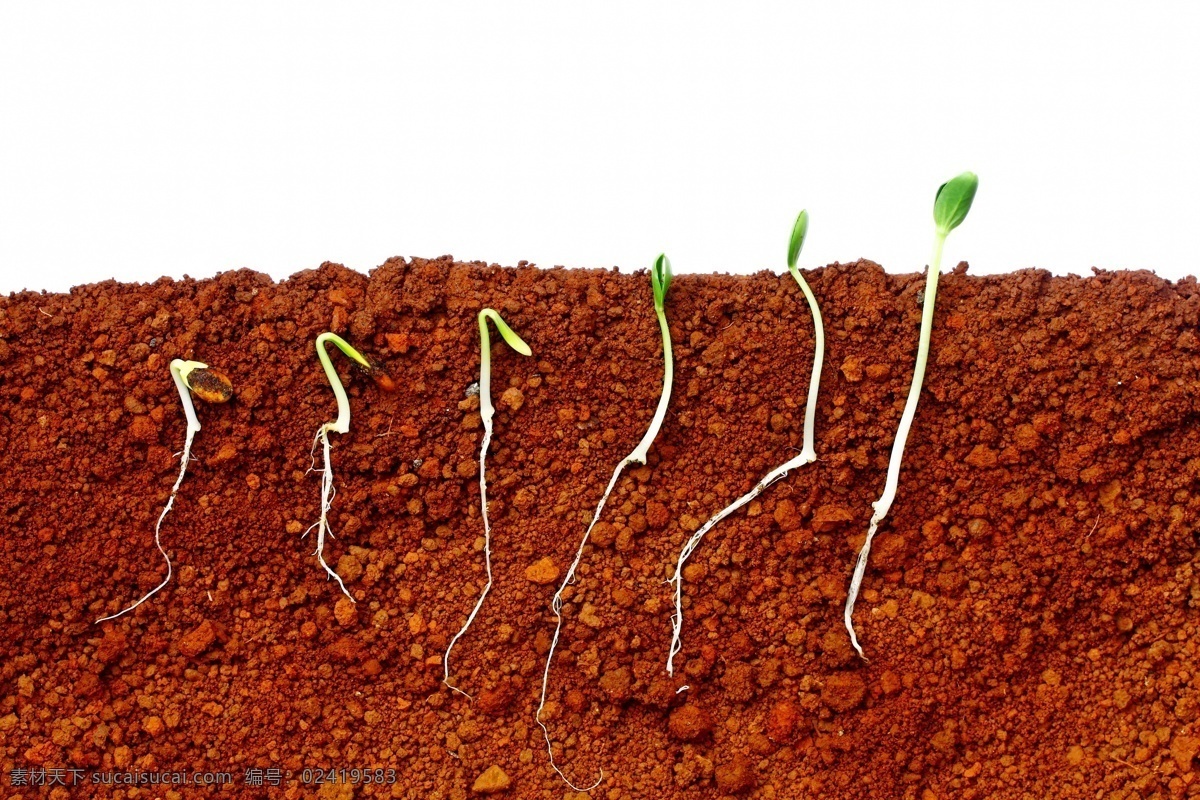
142,138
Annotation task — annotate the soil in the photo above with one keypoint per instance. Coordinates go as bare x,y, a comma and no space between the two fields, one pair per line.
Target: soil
1030,613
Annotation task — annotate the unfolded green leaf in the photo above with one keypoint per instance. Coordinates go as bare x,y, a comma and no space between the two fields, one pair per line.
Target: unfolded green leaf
953,201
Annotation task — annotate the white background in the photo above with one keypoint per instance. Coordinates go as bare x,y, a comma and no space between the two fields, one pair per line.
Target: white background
142,139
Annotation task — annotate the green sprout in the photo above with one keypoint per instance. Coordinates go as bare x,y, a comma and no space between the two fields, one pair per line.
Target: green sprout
212,387
950,207
340,425
795,245
806,456
660,282
486,412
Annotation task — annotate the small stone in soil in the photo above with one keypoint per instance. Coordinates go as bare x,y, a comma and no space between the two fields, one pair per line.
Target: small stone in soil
492,780
513,398
345,612
689,723
542,571
198,639
843,691
736,776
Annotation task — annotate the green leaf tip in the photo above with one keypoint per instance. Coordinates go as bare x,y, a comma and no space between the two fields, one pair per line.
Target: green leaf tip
508,334
953,201
799,231
660,279
342,345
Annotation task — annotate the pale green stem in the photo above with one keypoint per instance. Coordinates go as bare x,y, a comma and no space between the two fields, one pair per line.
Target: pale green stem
486,410
884,503
809,453
340,425
642,451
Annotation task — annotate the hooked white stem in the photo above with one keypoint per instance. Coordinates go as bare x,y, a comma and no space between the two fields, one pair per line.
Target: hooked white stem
486,413
180,369
340,425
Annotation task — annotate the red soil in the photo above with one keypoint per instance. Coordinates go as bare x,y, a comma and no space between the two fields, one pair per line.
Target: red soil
1030,613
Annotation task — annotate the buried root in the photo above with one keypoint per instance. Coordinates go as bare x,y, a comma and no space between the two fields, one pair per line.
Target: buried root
327,494
183,463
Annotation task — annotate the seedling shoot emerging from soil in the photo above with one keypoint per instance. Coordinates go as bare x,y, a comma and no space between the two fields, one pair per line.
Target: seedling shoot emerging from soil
340,425
486,412
660,282
212,387
806,456
950,207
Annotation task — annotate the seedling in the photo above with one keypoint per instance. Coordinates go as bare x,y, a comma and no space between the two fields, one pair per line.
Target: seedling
340,425
212,387
950,207
486,412
807,455
660,282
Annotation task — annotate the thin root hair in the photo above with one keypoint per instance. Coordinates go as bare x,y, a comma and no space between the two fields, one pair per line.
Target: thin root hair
183,464
556,606
561,774
692,543
860,569
327,495
487,558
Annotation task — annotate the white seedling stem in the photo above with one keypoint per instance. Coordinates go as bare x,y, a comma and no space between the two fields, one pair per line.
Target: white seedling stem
486,412
660,277
340,425
950,210
180,369
884,503
642,451
807,455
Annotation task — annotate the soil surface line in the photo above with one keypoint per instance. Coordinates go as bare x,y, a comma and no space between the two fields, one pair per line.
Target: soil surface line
1030,612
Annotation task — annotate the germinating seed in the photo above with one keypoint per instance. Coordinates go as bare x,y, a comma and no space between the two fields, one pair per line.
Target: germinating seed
186,375
340,425
209,385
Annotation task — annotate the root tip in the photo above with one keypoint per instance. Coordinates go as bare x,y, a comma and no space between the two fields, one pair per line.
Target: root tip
454,688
